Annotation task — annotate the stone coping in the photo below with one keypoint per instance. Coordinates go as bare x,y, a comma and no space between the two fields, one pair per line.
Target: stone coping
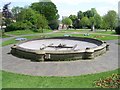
41,55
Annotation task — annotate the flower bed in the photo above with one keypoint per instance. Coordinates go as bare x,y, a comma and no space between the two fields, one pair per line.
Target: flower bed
109,82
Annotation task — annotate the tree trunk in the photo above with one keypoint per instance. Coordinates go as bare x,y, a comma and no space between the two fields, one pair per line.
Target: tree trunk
63,26
93,28
111,29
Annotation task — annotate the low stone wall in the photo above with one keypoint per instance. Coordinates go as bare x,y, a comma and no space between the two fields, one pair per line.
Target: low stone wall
41,55
27,54
64,56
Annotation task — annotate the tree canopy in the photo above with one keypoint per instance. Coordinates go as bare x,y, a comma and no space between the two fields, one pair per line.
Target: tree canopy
98,21
6,13
73,17
85,21
28,19
48,9
80,15
105,24
37,20
67,21
15,11
110,20
44,14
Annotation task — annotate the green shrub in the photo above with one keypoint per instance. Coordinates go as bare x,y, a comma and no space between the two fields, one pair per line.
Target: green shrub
54,24
117,29
18,26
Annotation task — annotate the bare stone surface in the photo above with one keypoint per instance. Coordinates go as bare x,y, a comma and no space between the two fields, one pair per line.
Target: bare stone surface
37,44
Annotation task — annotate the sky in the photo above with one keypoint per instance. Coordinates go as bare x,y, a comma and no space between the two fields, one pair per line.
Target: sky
68,7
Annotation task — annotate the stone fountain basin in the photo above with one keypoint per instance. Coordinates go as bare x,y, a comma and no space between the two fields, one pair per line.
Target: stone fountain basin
44,50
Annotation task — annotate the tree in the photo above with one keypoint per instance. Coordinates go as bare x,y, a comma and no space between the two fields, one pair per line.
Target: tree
16,11
28,17
88,13
112,19
73,17
45,0
105,23
95,22
117,30
76,24
92,23
54,24
7,15
118,21
48,9
94,12
41,22
27,14
98,21
94,17
18,26
67,21
0,19
80,15
85,21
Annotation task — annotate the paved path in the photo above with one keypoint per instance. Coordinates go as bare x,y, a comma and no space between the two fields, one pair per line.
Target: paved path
106,62
5,39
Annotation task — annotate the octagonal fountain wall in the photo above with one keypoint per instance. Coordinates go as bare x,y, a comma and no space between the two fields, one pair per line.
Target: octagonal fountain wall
60,49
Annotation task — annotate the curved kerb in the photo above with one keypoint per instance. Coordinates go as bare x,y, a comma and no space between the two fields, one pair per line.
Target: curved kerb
66,55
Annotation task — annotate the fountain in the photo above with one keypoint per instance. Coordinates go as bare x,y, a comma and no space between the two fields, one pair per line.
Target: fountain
60,49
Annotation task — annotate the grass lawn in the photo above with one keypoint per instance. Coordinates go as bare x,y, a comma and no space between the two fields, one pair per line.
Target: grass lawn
88,31
96,36
100,37
23,32
3,35
0,79
13,41
107,32
11,80
8,42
